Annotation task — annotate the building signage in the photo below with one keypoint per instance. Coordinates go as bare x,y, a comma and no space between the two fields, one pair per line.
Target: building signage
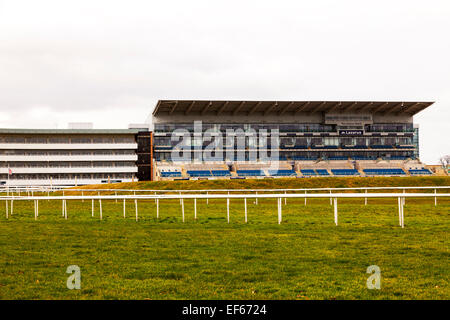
351,132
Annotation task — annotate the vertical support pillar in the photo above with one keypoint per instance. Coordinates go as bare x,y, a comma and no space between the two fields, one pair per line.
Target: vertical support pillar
335,212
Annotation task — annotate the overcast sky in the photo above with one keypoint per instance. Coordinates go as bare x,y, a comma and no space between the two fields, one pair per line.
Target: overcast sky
108,62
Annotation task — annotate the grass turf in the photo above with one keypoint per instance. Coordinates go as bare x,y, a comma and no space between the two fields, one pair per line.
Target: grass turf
306,257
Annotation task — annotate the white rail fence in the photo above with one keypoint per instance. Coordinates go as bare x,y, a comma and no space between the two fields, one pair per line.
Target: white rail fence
9,200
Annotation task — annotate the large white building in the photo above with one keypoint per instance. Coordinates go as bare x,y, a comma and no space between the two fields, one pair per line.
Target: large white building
67,156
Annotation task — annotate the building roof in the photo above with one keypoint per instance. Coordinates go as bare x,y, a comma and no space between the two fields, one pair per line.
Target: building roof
67,131
239,107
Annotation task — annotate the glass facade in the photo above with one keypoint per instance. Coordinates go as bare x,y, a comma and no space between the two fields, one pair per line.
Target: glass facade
288,141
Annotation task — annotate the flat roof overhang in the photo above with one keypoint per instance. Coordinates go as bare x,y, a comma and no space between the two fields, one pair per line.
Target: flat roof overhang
278,108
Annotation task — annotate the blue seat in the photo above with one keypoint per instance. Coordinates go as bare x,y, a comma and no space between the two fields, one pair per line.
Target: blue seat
221,173
250,173
167,174
308,172
344,172
322,172
282,173
419,171
384,172
199,173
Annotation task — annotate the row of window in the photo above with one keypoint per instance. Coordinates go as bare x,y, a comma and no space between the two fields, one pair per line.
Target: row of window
75,139
67,176
283,141
65,152
282,155
294,127
66,164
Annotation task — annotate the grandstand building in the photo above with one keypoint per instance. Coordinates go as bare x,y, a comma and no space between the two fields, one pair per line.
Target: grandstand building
195,139
67,156
303,138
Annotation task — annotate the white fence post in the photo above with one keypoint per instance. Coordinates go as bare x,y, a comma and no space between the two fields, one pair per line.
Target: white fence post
403,216
6,209
335,212
92,207
228,210
62,209
399,212
279,210
124,205
65,209
115,193
305,197
365,199
195,208
35,214
136,206
256,200
12,206
331,201
245,209
285,199
207,199
100,206
82,194
435,198
182,207
157,208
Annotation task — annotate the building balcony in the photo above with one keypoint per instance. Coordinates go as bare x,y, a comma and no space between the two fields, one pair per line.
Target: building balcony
68,146
45,170
100,157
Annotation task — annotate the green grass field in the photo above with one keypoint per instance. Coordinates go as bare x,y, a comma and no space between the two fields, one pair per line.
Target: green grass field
306,257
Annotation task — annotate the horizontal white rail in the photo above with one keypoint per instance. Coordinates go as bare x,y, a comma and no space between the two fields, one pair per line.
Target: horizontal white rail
181,197
46,188
231,196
